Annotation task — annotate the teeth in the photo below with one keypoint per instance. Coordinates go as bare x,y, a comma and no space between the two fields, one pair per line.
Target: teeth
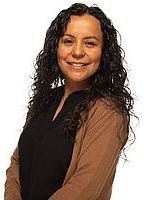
77,64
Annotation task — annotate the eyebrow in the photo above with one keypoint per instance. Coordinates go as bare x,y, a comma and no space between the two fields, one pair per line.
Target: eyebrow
89,37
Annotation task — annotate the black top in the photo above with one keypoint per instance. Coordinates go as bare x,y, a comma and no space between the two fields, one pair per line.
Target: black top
44,151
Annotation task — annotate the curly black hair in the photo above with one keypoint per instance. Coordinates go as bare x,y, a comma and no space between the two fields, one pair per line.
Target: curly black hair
108,82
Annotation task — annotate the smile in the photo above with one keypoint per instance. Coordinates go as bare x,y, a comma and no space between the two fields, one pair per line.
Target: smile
77,65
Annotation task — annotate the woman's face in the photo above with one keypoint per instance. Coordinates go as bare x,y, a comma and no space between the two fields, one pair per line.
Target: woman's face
80,48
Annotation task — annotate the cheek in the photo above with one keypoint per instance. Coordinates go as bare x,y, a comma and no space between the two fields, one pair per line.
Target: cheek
59,54
60,57
62,53
96,57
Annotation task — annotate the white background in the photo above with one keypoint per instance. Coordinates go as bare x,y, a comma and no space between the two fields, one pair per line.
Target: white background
23,25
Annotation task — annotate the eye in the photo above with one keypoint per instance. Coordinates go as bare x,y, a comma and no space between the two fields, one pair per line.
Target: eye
68,41
90,43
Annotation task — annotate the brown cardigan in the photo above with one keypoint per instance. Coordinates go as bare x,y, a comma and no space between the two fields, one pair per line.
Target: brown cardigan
93,165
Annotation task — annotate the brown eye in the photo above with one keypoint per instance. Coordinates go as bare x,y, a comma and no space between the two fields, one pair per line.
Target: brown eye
90,43
68,41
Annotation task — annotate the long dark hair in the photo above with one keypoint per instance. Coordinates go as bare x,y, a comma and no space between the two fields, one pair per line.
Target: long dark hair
108,82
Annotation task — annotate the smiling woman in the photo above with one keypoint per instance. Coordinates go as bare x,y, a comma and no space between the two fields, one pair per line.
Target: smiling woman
74,133
80,49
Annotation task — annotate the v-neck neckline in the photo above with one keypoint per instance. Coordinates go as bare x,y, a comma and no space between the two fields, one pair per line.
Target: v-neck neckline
57,101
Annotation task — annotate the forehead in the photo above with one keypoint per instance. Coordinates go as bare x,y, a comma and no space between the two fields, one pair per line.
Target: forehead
85,25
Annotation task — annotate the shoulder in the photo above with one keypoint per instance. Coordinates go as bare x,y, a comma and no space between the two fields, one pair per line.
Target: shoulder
105,125
105,111
104,106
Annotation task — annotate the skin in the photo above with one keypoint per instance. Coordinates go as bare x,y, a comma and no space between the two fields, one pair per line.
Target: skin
81,43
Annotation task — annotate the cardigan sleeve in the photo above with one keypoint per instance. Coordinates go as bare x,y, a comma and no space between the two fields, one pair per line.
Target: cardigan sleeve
12,185
98,157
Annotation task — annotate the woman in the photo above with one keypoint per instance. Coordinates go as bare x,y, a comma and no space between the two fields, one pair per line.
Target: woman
74,133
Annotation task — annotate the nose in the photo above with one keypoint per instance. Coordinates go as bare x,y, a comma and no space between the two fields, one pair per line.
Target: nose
78,50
